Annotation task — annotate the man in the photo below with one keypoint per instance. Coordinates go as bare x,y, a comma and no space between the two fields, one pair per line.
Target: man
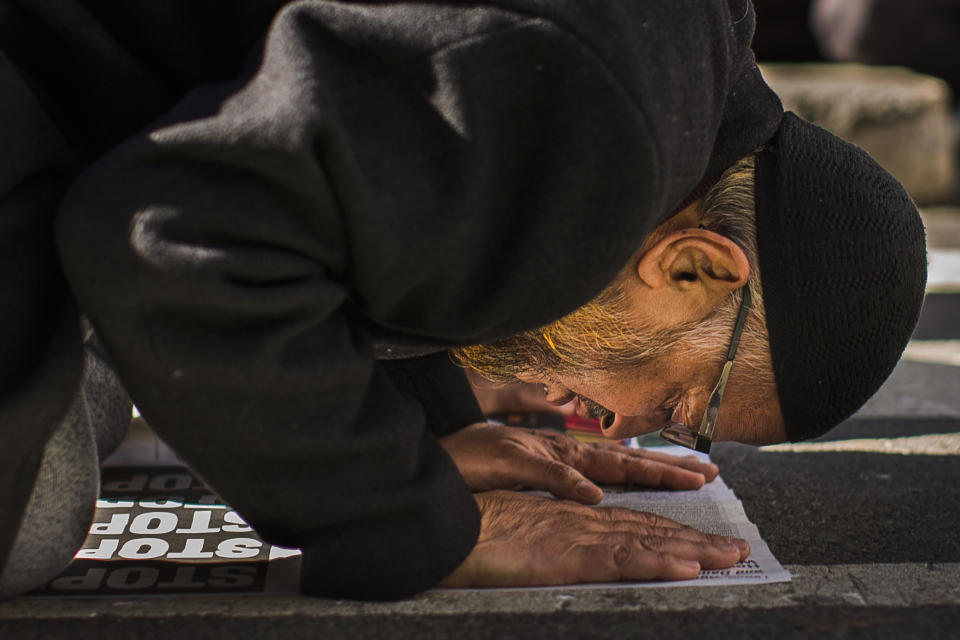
279,263
641,345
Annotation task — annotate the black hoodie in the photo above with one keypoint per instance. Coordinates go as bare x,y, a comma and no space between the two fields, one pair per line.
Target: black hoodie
386,179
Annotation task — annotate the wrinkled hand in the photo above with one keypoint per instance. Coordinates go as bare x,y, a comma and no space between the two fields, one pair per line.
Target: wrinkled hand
496,457
526,540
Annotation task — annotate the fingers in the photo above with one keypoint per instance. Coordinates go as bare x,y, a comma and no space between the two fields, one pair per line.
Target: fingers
622,465
617,560
717,549
611,557
618,467
691,462
604,520
616,463
559,478
661,534
525,540
493,457
711,552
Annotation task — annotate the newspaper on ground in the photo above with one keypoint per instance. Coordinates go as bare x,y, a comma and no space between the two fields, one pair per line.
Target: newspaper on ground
159,530
713,509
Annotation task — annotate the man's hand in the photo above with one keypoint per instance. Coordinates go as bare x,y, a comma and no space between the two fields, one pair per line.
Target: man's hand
531,541
495,457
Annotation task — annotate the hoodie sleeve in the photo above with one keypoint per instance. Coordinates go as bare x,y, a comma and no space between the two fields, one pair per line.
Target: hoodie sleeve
442,389
415,167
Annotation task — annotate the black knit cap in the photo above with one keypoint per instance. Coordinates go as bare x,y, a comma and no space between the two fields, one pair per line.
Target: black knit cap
843,261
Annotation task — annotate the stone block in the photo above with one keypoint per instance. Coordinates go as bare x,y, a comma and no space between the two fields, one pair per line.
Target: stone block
943,227
902,118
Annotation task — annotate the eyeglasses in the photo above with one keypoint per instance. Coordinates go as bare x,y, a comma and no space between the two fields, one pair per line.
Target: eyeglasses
681,434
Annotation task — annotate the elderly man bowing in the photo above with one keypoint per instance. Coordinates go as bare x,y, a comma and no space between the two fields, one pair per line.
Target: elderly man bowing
603,198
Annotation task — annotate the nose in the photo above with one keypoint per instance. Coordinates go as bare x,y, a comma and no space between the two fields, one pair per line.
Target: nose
606,422
615,426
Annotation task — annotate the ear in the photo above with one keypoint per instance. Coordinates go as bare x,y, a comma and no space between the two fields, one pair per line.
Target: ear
695,259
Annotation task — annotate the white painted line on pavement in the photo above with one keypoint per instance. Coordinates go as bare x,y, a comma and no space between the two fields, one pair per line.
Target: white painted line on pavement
943,270
937,444
933,351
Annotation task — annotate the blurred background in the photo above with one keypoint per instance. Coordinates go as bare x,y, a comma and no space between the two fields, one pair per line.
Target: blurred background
881,73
